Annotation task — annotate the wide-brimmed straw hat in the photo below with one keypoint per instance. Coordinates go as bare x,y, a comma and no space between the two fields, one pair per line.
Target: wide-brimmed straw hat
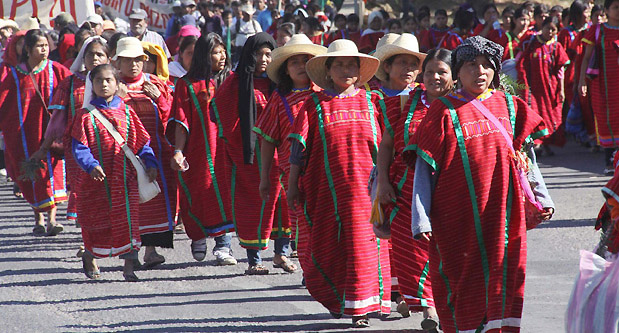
8,24
388,38
129,47
298,44
317,69
30,23
405,44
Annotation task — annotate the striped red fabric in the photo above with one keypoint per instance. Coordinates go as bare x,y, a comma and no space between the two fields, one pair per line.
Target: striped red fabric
159,214
23,120
603,89
539,69
571,39
109,210
477,274
410,257
204,198
253,218
346,268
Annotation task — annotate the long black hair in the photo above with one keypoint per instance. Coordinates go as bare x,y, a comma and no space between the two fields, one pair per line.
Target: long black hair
439,54
201,67
577,10
30,40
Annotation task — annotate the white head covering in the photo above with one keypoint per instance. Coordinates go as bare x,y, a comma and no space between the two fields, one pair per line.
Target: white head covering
78,65
87,91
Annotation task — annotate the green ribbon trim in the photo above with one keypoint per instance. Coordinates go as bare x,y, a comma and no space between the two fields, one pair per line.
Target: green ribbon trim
508,214
539,134
330,283
189,198
127,204
368,96
72,98
220,127
409,116
381,290
471,186
266,136
425,156
323,138
512,111
100,150
307,217
449,291
385,118
422,281
207,148
299,138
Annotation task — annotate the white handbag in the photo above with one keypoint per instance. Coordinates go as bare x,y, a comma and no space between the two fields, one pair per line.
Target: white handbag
148,190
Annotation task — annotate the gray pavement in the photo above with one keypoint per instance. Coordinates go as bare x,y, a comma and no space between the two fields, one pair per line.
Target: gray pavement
43,289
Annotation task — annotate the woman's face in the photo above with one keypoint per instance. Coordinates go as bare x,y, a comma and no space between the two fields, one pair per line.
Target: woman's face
104,84
150,66
491,15
40,50
340,24
425,23
410,26
476,76
282,38
130,67
218,58
402,71
549,31
186,56
376,24
263,59
95,56
612,13
295,68
395,28
437,78
344,72
522,23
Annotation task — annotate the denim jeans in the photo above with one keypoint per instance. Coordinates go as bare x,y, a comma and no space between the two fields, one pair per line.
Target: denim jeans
282,247
223,242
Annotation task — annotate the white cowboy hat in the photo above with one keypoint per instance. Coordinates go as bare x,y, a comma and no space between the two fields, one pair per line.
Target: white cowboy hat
405,44
31,23
129,47
247,8
317,70
8,23
298,44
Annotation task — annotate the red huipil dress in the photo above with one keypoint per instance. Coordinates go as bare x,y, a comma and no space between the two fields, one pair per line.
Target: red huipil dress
274,125
321,39
410,258
204,208
368,42
603,89
432,38
512,44
109,210
478,243
346,268
23,120
571,39
539,69
68,98
345,34
158,216
451,40
253,217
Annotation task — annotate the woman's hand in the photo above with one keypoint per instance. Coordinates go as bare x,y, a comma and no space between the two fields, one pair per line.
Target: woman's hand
582,88
152,174
151,90
98,174
426,235
264,188
176,163
386,193
547,214
122,90
294,197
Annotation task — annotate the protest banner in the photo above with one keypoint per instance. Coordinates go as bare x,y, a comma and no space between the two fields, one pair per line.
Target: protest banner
21,10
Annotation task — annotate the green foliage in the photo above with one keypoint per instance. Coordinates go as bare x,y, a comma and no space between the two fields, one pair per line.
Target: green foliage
508,84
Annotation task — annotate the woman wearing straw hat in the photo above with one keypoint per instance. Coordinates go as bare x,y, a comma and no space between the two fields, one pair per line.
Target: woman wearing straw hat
400,62
395,186
287,70
346,267
151,98
205,210
25,93
469,190
238,102
68,98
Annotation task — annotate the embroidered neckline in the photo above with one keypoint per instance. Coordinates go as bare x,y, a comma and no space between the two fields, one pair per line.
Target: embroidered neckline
295,90
334,95
606,25
539,39
482,97
39,70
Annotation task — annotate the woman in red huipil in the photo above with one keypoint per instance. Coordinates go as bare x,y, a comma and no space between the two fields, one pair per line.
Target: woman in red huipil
25,94
540,69
68,98
287,70
151,99
334,142
238,102
205,208
519,32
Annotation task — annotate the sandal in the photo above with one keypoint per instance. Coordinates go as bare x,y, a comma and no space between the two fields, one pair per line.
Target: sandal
360,322
153,260
54,229
430,319
80,252
403,309
90,268
257,270
38,230
286,265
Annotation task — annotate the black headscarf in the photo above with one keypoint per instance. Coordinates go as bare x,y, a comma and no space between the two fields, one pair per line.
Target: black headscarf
247,100
473,47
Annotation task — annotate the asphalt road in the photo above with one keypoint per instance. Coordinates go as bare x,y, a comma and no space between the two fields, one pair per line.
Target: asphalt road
43,289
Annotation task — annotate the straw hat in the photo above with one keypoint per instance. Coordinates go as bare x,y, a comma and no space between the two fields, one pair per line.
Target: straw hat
388,38
298,44
8,24
129,47
317,70
405,44
30,23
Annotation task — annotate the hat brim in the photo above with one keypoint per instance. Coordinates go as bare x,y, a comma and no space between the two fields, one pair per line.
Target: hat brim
391,50
283,53
317,70
130,54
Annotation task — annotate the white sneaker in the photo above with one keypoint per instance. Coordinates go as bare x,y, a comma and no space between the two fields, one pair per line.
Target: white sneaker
198,249
224,258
